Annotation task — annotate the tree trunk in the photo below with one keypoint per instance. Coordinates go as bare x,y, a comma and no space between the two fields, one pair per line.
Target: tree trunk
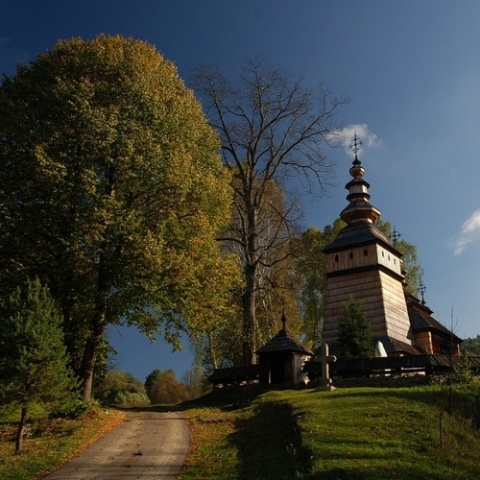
90,354
71,335
88,368
92,346
97,331
21,432
249,318
211,348
249,297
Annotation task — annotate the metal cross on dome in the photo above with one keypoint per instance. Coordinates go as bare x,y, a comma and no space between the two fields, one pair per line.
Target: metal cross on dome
421,289
284,320
395,235
355,145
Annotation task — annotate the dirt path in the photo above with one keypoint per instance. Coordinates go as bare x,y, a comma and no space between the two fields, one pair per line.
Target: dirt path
147,446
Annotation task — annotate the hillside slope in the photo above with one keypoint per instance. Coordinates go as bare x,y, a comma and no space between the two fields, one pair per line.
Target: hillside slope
351,433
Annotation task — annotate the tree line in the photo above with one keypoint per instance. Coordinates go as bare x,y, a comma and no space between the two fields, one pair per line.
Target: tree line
126,200
159,388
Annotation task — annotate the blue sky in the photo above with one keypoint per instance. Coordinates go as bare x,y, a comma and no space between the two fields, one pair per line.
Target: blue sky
411,72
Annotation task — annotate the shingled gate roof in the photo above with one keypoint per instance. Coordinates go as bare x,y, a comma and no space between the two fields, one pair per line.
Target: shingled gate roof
283,342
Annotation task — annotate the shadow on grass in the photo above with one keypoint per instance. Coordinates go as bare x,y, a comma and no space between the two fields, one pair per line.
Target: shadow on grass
228,399
269,445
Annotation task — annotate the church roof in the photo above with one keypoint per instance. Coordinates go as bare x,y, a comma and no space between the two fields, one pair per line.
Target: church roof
390,344
421,319
283,342
355,234
393,345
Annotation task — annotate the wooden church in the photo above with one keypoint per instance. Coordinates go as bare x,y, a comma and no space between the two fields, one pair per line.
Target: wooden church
362,264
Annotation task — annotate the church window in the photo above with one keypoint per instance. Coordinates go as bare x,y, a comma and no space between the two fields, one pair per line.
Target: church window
365,252
351,255
336,258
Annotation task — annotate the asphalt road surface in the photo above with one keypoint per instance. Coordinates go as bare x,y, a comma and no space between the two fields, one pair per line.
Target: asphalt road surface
147,446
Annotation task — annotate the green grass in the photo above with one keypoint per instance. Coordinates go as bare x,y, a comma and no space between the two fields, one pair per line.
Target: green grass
355,433
50,443
349,433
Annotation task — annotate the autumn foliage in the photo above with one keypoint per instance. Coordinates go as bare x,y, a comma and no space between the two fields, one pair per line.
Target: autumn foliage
112,193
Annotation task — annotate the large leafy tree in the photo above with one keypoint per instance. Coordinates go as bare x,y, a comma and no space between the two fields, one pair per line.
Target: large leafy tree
163,388
273,132
111,192
33,359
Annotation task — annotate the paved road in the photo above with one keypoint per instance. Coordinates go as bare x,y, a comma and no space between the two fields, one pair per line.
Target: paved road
147,446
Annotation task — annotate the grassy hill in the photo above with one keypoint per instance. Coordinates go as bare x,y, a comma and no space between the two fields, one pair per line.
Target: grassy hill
248,434
349,433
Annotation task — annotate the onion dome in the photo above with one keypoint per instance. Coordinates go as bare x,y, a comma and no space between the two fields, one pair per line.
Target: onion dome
359,208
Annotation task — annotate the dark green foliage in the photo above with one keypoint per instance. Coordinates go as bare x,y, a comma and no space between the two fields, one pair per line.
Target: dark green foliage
471,346
33,359
355,336
163,387
74,409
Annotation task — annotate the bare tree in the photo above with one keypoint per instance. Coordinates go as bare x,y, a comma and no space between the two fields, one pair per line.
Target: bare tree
273,131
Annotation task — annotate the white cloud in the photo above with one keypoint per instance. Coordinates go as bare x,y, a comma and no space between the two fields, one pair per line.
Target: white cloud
470,232
344,137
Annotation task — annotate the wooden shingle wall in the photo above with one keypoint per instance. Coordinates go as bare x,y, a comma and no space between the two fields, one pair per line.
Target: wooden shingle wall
373,284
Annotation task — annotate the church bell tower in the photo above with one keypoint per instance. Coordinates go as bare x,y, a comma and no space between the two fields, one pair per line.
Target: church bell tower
364,266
